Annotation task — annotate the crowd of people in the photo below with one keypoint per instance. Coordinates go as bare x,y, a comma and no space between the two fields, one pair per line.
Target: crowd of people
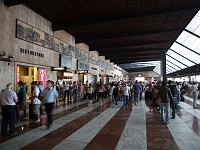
164,96
14,104
73,92
167,95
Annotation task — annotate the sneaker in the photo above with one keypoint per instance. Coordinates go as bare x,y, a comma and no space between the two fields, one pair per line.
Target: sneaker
167,122
195,108
172,117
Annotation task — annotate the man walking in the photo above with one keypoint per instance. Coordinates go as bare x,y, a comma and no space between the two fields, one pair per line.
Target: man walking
194,92
165,95
137,89
50,97
126,91
66,92
8,101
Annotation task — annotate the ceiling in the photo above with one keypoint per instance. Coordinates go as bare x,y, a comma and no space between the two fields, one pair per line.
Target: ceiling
124,31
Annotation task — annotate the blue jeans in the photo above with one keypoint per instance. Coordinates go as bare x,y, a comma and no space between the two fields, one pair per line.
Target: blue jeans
125,97
116,99
71,96
140,96
165,112
75,96
136,97
172,105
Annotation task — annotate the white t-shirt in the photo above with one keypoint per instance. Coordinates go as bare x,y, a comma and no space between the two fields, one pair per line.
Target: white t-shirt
126,90
67,87
36,92
111,90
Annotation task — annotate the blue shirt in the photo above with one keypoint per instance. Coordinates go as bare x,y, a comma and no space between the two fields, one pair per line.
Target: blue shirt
137,88
49,95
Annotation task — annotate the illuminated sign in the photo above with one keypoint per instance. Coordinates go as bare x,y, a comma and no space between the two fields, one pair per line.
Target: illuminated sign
68,74
59,69
81,72
42,76
18,77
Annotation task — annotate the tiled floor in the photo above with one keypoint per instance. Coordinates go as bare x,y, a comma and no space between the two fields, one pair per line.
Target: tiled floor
78,127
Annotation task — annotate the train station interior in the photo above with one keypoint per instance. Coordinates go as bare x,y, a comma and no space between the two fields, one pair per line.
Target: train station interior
100,74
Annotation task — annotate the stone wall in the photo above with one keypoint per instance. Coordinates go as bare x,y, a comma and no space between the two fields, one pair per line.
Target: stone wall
10,44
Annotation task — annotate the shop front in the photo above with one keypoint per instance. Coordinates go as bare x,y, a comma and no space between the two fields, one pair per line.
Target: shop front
28,74
82,76
82,71
64,73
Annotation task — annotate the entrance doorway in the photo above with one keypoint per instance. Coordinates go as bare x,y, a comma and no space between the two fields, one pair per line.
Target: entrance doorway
82,77
27,74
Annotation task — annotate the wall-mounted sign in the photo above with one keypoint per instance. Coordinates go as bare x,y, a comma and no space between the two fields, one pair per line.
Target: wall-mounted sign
68,74
94,68
58,68
29,52
42,76
79,72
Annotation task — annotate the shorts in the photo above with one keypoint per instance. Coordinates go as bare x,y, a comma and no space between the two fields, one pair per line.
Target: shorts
36,108
100,94
80,94
89,96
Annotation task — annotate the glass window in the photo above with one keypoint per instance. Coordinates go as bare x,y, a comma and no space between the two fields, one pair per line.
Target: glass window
172,65
189,41
180,58
194,25
175,62
186,53
169,70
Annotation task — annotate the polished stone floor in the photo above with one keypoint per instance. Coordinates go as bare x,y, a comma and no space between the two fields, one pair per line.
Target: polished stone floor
78,127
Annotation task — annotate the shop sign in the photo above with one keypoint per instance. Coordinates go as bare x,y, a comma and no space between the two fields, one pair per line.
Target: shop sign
79,72
94,68
42,76
29,52
68,74
59,69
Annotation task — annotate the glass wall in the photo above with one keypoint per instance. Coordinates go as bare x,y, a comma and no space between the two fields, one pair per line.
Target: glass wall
185,51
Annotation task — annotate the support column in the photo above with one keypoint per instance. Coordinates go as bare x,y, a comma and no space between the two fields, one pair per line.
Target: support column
163,66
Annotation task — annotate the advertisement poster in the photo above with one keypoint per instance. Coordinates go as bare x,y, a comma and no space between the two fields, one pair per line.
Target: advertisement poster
42,76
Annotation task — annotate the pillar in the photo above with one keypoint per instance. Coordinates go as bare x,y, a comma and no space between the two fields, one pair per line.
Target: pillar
163,66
